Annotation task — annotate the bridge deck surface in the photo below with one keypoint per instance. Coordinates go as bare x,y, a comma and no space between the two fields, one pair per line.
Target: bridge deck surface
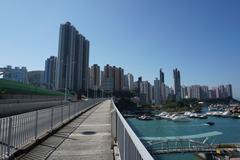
87,137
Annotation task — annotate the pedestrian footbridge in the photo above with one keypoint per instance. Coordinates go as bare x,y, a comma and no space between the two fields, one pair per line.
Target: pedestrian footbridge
176,144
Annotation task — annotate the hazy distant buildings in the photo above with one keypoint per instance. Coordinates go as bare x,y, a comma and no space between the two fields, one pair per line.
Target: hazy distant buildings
184,92
95,77
203,92
228,90
177,84
16,74
73,60
50,72
223,91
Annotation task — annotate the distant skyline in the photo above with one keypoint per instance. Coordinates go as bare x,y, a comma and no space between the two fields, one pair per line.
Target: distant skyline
200,38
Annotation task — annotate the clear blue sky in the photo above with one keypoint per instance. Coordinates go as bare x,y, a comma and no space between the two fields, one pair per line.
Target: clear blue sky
201,38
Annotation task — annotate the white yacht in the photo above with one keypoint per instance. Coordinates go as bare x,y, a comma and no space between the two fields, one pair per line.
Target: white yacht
181,118
163,115
187,113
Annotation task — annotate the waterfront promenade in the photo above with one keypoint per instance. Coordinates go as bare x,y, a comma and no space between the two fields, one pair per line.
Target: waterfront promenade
87,137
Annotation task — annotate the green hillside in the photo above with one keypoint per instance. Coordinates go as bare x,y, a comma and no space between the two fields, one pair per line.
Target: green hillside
12,87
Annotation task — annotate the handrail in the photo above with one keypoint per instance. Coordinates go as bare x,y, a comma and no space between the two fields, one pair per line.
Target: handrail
145,155
20,130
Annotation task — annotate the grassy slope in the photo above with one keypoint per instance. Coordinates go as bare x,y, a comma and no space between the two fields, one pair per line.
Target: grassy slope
12,87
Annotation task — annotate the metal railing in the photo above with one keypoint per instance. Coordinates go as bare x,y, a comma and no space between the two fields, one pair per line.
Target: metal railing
20,130
130,147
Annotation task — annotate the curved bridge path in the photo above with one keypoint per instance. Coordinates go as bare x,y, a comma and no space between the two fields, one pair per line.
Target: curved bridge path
87,137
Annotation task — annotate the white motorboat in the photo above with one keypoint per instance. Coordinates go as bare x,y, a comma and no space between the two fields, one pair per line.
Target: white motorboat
181,118
203,116
193,115
163,115
187,113
226,114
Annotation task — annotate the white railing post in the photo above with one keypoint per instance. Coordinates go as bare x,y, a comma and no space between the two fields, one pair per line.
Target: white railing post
9,136
52,109
36,125
124,144
69,111
62,114
114,124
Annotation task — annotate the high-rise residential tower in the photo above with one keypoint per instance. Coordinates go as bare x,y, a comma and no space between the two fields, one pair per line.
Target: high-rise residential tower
228,90
162,76
157,94
73,60
177,84
108,79
50,72
95,77
128,81
162,87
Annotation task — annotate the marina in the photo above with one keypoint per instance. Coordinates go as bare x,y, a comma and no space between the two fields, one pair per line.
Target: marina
167,127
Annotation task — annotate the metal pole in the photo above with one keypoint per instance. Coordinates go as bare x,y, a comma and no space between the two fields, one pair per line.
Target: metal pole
66,80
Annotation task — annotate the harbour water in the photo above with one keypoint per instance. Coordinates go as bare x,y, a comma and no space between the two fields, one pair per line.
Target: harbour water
161,128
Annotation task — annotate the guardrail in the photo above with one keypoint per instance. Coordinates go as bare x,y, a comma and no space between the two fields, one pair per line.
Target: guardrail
130,147
20,130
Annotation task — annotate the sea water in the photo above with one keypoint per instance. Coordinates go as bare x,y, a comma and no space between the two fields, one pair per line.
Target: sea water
161,128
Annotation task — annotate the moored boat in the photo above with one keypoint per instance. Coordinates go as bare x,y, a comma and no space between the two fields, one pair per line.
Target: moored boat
181,118
203,116
144,118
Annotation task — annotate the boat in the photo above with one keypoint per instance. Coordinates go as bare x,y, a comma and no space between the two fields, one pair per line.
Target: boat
187,113
144,118
226,114
193,115
210,123
163,115
203,116
181,118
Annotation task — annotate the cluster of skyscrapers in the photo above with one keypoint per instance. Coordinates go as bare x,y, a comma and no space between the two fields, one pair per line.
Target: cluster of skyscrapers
159,93
71,71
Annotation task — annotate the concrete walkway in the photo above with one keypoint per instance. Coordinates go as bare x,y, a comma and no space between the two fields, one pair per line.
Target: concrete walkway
91,140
